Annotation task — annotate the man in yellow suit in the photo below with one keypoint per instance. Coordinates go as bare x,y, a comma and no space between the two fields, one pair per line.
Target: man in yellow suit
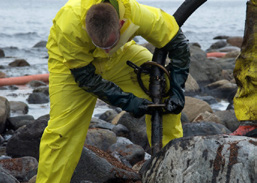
88,46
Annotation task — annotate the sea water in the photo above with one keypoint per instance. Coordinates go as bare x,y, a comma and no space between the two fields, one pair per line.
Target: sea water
23,23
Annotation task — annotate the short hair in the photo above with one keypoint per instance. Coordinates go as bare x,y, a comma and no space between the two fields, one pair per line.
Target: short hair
101,21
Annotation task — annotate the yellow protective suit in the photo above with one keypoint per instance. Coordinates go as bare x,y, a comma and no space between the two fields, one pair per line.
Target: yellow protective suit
71,108
245,71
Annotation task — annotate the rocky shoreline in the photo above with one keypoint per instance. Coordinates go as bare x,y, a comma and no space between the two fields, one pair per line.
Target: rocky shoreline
117,149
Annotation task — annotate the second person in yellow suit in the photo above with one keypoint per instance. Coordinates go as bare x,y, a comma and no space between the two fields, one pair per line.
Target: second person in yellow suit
89,44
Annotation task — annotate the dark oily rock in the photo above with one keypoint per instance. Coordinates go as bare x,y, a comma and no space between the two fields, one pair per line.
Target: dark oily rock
5,177
98,166
38,98
137,129
25,141
228,119
11,87
40,44
19,121
209,99
221,37
19,107
218,44
36,83
221,89
201,69
2,53
19,63
21,168
100,138
203,129
4,113
226,63
121,130
214,159
184,118
235,41
108,115
207,116
194,106
131,152
42,89
98,123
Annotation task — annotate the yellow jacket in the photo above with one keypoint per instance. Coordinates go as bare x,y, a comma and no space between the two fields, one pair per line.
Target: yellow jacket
70,44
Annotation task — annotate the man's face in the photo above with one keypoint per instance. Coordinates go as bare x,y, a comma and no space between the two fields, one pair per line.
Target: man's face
111,42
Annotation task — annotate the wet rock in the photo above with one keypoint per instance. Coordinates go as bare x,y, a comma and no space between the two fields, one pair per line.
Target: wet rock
131,152
108,115
228,119
221,89
207,116
19,63
98,123
218,44
36,83
209,99
25,141
6,177
100,138
201,69
203,128
21,168
216,158
191,85
221,37
40,44
41,88
2,53
98,166
19,121
235,41
19,107
38,98
193,107
4,113
137,129
121,130
229,49
2,74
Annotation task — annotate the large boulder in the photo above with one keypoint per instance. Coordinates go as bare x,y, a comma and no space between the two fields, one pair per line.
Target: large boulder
193,107
218,158
25,141
4,113
98,166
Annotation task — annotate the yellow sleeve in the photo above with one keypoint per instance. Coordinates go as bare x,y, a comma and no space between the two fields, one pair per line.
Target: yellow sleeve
72,40
156,26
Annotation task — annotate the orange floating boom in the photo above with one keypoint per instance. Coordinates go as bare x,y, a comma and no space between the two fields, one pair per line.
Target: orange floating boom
216,54
22,80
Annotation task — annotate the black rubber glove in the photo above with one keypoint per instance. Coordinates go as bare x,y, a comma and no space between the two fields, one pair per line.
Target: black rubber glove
179,53
109,92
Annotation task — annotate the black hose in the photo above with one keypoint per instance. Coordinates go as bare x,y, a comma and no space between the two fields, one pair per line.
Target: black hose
186,9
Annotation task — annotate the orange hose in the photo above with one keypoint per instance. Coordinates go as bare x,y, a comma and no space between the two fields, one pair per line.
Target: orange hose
216,54
23,79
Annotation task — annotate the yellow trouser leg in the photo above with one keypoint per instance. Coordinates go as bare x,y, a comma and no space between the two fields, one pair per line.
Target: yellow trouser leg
63,139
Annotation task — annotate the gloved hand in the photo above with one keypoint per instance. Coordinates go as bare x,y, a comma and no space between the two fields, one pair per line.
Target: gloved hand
178,52
142,108
109,92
